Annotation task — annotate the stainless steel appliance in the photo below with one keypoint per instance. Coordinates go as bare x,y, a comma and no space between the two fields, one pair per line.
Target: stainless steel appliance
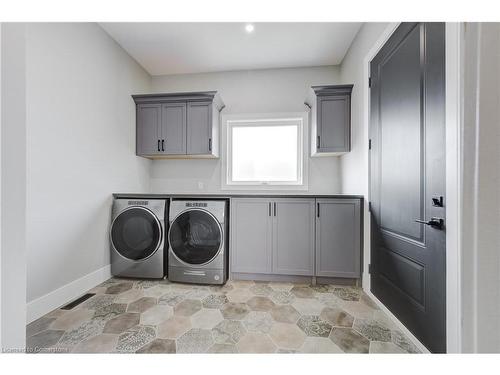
197,241
137,236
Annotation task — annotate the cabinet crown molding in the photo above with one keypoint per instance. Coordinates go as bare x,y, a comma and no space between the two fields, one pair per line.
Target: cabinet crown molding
197,96
332,89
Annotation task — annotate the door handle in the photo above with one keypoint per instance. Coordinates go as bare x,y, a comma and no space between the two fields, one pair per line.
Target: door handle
275,209
163,145
209,144
158,145
269,208
434,222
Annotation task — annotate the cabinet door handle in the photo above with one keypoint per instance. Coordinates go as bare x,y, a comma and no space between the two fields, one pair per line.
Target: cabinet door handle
275,209
269,208
317,142
163,145
317,210
158,145
209,144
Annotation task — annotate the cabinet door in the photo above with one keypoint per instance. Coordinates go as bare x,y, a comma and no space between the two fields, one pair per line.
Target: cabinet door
333,123
293,236
199,128
338,237
148,134
174,128
251,235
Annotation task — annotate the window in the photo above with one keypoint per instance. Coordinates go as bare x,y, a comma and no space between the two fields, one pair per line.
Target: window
264,152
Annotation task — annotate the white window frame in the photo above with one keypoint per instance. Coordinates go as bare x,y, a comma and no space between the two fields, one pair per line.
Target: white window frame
265,119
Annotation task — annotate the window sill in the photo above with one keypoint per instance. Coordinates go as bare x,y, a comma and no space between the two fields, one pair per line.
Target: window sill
265,187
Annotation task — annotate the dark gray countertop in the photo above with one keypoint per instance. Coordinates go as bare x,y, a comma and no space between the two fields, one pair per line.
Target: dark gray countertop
231,195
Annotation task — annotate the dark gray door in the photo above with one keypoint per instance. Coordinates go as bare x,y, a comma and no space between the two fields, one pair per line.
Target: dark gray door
199,115
407,131
148,129
174,128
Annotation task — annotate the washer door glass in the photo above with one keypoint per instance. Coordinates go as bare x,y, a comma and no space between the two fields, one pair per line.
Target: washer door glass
136,233
195,237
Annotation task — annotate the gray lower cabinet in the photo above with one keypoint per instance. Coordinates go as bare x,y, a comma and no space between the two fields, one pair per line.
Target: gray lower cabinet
293,236
338,237
272,236
251,236
296,236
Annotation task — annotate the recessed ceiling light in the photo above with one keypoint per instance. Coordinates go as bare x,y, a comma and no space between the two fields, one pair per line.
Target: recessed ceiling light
249,28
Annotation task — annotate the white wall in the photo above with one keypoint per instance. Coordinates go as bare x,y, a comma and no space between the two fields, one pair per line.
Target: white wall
81,148
353,70
1,122
1,185
257,91
481,193
354,165
454,86
13,188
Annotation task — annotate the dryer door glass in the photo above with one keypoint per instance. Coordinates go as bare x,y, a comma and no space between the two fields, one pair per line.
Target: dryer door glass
195,237
136,233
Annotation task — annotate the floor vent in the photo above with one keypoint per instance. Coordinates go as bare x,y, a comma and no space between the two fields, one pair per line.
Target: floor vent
77,301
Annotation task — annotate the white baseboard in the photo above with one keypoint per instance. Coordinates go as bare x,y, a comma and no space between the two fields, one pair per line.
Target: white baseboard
398,324
45,304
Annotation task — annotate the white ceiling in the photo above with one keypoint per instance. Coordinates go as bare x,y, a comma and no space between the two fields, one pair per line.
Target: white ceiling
176,48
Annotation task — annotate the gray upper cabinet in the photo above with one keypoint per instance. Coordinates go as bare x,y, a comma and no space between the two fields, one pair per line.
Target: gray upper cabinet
293,236
174,128
199,115
251,236
338,238
330,118
178,125
148,133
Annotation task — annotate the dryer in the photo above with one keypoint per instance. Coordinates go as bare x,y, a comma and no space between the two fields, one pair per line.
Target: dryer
137,237
198,238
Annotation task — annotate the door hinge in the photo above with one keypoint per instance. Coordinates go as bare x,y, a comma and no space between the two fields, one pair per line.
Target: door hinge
370,268
369,144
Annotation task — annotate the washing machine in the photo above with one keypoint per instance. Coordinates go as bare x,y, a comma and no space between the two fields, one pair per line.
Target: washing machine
137,236
198,240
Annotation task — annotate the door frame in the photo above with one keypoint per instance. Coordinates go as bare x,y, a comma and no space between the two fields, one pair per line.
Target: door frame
454,124
13,188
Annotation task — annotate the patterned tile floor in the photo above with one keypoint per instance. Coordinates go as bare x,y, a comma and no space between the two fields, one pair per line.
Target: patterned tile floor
143,316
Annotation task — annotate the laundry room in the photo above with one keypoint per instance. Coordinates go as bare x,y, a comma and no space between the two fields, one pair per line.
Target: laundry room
249,187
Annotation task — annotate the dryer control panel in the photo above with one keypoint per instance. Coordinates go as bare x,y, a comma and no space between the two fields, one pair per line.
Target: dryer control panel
196,204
